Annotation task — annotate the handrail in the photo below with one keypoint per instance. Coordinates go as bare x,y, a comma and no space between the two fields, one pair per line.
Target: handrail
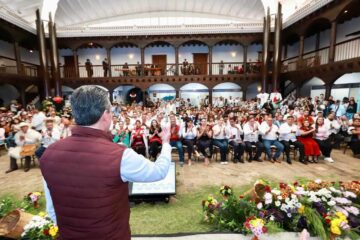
339,43
13,59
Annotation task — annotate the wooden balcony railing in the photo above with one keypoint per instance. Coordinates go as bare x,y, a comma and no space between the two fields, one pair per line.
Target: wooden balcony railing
343,51
9,66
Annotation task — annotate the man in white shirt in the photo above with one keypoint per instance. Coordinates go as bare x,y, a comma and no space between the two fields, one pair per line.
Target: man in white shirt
220,140
25,136
288,132
50,134
269,132
251,138
38,120
334,128
234,135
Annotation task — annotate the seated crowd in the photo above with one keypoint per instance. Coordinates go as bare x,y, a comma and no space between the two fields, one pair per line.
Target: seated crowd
237,131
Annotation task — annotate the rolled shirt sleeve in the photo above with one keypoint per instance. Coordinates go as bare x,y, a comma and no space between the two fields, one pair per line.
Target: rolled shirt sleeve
49,203
136,168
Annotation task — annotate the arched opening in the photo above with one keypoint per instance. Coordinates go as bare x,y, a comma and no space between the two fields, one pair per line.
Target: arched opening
92,54
227,90
8,93
196,92
348,85
127,94
313,87
194,56
125,56
160,92
159,59
253,90
227,57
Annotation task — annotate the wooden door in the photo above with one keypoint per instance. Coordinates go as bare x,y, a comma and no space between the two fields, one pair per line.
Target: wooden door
159,61
69,66
200,61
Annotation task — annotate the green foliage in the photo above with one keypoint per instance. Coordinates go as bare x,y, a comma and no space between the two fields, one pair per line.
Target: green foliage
315,223
352,235
6,206
273,227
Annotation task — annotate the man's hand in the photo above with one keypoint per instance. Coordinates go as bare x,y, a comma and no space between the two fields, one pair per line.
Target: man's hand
22,138
165,135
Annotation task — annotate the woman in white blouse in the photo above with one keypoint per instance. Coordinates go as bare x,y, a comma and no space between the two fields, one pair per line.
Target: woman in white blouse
189,134
322,133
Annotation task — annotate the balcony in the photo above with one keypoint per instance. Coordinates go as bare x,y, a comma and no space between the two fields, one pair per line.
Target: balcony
345,50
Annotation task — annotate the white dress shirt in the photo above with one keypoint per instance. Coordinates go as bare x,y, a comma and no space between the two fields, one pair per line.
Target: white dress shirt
48,140
38,121
332,125
272,135
322,133
287,132
220,132
251,133
133,168
235,131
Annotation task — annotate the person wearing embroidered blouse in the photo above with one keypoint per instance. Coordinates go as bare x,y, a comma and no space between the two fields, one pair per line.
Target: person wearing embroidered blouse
234,136
322,138
189,135
137,140
154,139
220,140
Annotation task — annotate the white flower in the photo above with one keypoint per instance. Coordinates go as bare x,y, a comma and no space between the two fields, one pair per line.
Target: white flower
272,218
342,210
331,203
279,197
287,200
349,194
343,200
318,181
259,205
277,203
289,215
353,210
276,192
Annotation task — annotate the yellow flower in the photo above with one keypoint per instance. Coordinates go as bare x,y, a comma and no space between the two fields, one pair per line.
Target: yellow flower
292,188
42,214
335,230
53,231
256,222
341,216
301,209
37,193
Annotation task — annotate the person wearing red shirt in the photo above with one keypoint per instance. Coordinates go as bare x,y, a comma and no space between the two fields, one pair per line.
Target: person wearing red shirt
175,140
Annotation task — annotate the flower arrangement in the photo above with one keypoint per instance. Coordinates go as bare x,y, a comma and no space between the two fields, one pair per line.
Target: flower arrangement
226,191
325,209
40,227
256,226
33,198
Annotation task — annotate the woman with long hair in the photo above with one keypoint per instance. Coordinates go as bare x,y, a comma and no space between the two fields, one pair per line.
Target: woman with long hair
312,149
189,135
354,130
204,140
137,140
154,139
122,135
322,138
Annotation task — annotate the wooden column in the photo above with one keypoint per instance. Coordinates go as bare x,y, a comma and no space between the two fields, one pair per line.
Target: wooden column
327,91
245,58
210,96
244,90
42,54
317,43
332,42
108,53
277,50
54,57
22,96
76,63
17,58
142,51
177,93
210,60
301,47
177,61
265,52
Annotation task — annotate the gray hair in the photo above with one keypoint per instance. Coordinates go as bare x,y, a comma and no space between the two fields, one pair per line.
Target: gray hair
88,104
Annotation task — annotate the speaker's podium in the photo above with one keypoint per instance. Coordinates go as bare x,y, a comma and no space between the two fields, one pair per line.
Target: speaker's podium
154,191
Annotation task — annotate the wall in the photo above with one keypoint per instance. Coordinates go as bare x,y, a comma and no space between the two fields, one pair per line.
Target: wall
252,90
346,28
7,93
352,90
195,92
306,89
161,91
226,90
7,50
120,93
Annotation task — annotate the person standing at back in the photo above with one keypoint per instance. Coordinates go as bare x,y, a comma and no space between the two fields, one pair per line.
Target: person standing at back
86,175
